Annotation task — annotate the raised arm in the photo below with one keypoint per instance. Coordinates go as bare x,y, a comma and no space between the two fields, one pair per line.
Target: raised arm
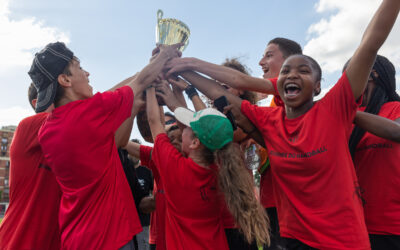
213,90
123,83
374,36
133,149
223,74
210,88
123,133
379,125
153,113
179,85
152,71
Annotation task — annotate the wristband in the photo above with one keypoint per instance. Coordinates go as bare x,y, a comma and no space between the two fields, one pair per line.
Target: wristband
191,91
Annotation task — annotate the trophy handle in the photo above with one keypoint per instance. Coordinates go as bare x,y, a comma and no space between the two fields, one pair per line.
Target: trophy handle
160,14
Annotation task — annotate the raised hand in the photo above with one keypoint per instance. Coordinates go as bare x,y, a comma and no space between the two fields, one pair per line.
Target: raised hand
171,50
178,83
163,90
178,65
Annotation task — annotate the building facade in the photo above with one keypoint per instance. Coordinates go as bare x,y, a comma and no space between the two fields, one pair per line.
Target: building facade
6,135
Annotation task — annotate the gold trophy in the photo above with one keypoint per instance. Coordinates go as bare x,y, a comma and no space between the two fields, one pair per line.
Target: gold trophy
171,31
168,31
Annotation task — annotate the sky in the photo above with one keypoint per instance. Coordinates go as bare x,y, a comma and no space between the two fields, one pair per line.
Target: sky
114,39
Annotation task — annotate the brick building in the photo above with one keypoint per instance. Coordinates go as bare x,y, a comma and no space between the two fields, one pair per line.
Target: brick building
6,135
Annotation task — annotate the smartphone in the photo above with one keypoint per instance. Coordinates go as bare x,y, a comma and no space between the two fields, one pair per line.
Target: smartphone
220,103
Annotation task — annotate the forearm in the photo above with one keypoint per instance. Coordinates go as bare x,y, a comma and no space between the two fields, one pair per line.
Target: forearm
380,25
123,83
198,103
153,113
210,88
232,77
123,133
374,36
378,125
149,73
179,97
133,149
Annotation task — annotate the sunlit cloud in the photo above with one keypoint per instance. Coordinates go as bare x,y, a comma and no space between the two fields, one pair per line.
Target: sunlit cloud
333,40
19,38
13,115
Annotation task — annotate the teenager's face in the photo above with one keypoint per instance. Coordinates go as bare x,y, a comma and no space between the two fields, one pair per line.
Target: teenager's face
80,81
272,61
187,139
297,82
175,137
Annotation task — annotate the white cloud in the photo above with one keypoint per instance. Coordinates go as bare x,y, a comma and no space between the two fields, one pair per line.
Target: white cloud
13,115
19,38
333,40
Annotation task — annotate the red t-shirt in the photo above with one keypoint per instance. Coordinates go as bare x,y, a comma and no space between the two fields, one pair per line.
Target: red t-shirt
157,218
97,209
31,220
194,204
378,169
313,175
266,190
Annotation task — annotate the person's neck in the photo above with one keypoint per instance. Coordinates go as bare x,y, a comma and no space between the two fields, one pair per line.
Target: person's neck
67,98
292,113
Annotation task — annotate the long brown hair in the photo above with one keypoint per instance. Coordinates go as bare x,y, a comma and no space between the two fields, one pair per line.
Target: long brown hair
238,188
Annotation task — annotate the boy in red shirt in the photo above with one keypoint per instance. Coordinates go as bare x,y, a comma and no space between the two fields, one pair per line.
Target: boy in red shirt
34,191
78,140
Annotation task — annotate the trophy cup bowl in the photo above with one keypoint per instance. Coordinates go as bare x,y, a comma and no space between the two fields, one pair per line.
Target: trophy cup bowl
171,31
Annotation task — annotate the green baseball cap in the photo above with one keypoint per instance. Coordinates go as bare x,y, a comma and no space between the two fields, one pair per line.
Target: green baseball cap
209,125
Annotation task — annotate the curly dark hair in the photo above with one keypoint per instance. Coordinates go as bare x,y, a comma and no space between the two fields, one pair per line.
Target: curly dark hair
234,63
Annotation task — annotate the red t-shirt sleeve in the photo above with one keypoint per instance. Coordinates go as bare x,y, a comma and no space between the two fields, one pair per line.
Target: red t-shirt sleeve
277,99
117,104
145,155
395,110
340,101
259,116
168,160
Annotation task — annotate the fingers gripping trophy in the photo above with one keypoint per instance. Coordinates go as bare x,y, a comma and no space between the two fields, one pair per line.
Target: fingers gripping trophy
168,31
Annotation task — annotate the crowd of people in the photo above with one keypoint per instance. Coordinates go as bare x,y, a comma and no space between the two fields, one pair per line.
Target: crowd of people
329,168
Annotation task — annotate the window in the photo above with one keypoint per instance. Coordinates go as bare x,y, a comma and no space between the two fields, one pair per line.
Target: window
4,142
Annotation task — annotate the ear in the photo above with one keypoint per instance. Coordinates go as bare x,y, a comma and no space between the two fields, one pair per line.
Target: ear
195,144
34,101
317,88
64,80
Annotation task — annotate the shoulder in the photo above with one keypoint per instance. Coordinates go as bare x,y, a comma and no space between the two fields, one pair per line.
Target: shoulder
32,122
390,110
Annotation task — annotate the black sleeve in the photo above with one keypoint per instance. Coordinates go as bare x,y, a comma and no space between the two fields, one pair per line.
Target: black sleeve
129,169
